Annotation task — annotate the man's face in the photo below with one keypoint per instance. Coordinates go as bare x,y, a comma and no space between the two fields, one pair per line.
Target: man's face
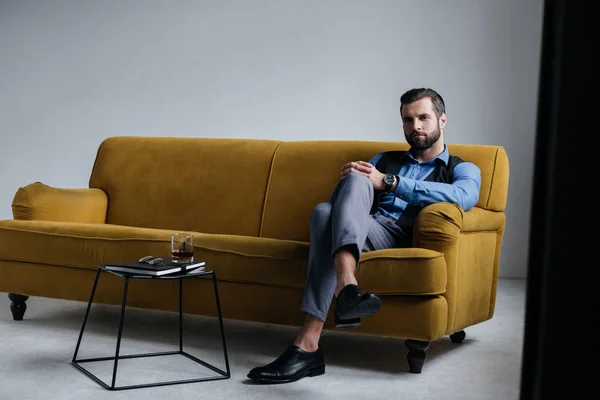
421,125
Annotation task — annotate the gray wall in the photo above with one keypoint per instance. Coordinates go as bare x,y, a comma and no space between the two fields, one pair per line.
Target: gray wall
75,72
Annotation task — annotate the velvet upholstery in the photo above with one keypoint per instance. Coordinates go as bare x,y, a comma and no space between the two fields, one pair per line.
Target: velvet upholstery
248,202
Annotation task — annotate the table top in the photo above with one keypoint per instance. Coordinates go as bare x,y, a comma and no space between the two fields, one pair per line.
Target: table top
178,275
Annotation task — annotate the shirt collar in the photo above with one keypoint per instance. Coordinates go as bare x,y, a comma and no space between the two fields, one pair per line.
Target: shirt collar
443,157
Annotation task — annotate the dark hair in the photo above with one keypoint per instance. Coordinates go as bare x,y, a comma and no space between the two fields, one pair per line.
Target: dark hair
417,94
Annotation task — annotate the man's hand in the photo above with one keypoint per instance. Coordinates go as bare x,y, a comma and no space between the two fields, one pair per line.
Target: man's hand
368,170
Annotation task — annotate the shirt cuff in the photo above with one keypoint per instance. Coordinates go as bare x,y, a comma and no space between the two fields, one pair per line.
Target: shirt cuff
405,189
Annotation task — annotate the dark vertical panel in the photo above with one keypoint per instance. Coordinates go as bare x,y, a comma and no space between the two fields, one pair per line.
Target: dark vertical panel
562,321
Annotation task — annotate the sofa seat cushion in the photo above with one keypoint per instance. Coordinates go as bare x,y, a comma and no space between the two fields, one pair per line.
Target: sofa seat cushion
234,258
412,271
80,245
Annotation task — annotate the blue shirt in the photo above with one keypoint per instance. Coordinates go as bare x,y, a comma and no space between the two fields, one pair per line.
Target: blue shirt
412,189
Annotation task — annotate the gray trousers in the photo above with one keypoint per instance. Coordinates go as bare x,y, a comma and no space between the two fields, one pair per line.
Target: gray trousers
344,222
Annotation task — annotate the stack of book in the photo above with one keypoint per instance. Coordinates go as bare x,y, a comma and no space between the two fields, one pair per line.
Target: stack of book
165,268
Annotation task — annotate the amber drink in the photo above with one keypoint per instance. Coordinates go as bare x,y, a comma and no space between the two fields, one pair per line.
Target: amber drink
182,248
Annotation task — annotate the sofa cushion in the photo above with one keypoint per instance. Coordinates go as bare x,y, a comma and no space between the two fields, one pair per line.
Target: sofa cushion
411,271
234,258
204,185
315,167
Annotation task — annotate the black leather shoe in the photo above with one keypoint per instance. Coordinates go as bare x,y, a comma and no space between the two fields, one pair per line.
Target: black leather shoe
292,365
352,304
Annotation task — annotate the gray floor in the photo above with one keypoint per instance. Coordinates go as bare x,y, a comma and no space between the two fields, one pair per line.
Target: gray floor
35,357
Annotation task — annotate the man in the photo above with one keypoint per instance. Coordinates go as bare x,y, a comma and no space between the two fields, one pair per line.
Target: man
373,207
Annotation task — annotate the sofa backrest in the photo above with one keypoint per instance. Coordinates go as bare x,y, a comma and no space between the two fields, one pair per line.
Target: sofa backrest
305,172
246,187
193,184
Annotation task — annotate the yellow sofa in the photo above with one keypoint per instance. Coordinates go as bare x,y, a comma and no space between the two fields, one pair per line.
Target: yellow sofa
248,203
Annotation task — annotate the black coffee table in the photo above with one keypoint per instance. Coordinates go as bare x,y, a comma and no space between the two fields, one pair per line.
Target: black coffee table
127,277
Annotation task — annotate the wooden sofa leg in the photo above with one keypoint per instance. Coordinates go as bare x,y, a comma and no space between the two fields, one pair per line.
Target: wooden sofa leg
17,305
416,354
458,337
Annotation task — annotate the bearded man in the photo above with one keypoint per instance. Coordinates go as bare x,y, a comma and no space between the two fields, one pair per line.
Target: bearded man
372,207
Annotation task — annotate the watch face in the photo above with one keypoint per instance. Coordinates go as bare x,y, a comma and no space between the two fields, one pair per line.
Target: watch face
389,179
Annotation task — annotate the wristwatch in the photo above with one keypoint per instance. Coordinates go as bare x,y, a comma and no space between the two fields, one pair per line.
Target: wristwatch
389,181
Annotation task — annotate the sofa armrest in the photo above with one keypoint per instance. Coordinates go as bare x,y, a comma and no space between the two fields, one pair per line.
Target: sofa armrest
37,201
470,242
438,227
481,220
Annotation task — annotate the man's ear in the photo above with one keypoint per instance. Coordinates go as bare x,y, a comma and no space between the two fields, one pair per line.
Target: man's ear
443,121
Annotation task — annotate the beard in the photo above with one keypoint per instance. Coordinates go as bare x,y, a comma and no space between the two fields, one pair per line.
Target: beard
423,141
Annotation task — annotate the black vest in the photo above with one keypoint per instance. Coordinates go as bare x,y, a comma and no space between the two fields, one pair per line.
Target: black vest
392,161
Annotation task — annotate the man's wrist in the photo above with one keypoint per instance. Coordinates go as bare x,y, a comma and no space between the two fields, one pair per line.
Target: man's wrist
396,182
